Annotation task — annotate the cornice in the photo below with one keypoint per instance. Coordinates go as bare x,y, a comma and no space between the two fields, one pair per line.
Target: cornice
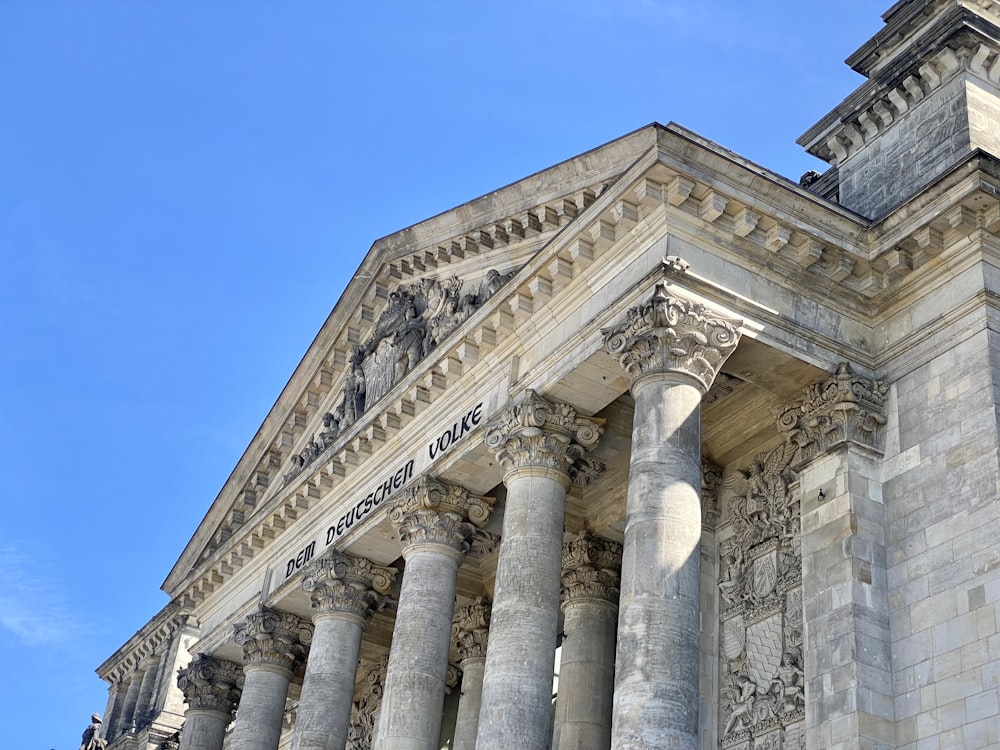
145,643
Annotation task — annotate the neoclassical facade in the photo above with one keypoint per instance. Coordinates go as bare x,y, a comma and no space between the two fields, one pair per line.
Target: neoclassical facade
653,449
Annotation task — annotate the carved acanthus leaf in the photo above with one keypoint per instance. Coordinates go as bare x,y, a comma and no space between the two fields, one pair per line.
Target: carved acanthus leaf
274,638
361,733
471,628
591,569
667,334
337,582
844,408
210,684
535,432
430,511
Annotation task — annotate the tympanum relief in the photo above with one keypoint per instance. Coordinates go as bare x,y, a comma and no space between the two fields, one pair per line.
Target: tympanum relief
416,320
762,697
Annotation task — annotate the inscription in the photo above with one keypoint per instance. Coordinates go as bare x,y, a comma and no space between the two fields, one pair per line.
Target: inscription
391,484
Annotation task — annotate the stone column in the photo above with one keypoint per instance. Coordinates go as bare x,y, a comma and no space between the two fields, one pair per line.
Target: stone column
590,582
210,688
131,699
113,711
146,690
672,349
542,446
345,592
273,644
436,524
471,632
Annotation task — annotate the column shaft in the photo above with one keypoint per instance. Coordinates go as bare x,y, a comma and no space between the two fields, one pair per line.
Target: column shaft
204,729
517,686
131,698
144,702
656,680
586,676
418,660
324,714
469,703
262,708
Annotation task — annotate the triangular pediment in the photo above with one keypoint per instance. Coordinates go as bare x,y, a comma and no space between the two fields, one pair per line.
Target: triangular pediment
412,291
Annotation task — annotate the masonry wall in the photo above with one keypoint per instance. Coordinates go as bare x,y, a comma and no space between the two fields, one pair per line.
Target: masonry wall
940,485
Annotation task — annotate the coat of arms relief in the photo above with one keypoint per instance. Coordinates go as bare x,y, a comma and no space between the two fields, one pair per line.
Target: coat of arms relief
762,701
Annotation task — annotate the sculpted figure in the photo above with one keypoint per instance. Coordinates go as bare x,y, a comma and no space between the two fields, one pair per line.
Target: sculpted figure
732,588
789,681
354,389
92,739
409,341
331,425
742,705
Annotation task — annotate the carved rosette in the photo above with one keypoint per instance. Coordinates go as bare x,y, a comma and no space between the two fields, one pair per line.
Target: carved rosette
210,684
670,335
471,629
451,678
844,408
271,638
432,512
591,569
535,433
346,584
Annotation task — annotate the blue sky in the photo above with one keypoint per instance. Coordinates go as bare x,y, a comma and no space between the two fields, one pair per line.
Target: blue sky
187,188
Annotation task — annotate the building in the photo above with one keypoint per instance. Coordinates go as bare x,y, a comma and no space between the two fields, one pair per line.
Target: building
727,442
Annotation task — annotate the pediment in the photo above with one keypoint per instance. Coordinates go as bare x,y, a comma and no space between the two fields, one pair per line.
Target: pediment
412,291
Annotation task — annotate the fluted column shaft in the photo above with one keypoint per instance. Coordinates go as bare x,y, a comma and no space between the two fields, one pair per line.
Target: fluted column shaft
131,699
587,664
344,592
272,646
210,689
539,444
673,349
432,523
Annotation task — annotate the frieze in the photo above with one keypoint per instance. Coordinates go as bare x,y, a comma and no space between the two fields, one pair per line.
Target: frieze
844,408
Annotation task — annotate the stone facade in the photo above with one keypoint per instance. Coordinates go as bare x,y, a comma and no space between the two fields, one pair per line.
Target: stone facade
654,449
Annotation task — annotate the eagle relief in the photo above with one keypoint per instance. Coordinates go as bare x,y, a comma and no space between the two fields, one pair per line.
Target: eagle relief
417,319
762,698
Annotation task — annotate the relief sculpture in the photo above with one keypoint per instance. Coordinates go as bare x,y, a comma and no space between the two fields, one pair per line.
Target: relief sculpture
417,319
760,590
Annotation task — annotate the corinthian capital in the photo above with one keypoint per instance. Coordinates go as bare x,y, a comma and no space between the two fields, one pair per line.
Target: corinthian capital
210,684
670,335
536,433
432,512
353,586
591,569
471,629
276,639
843,408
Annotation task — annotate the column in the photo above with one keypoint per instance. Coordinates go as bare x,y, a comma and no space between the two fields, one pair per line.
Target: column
471,632
113,711
210,688
146,690
672,349
590,582
131,698
436,524
365,711
344,591
273,644
542,447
